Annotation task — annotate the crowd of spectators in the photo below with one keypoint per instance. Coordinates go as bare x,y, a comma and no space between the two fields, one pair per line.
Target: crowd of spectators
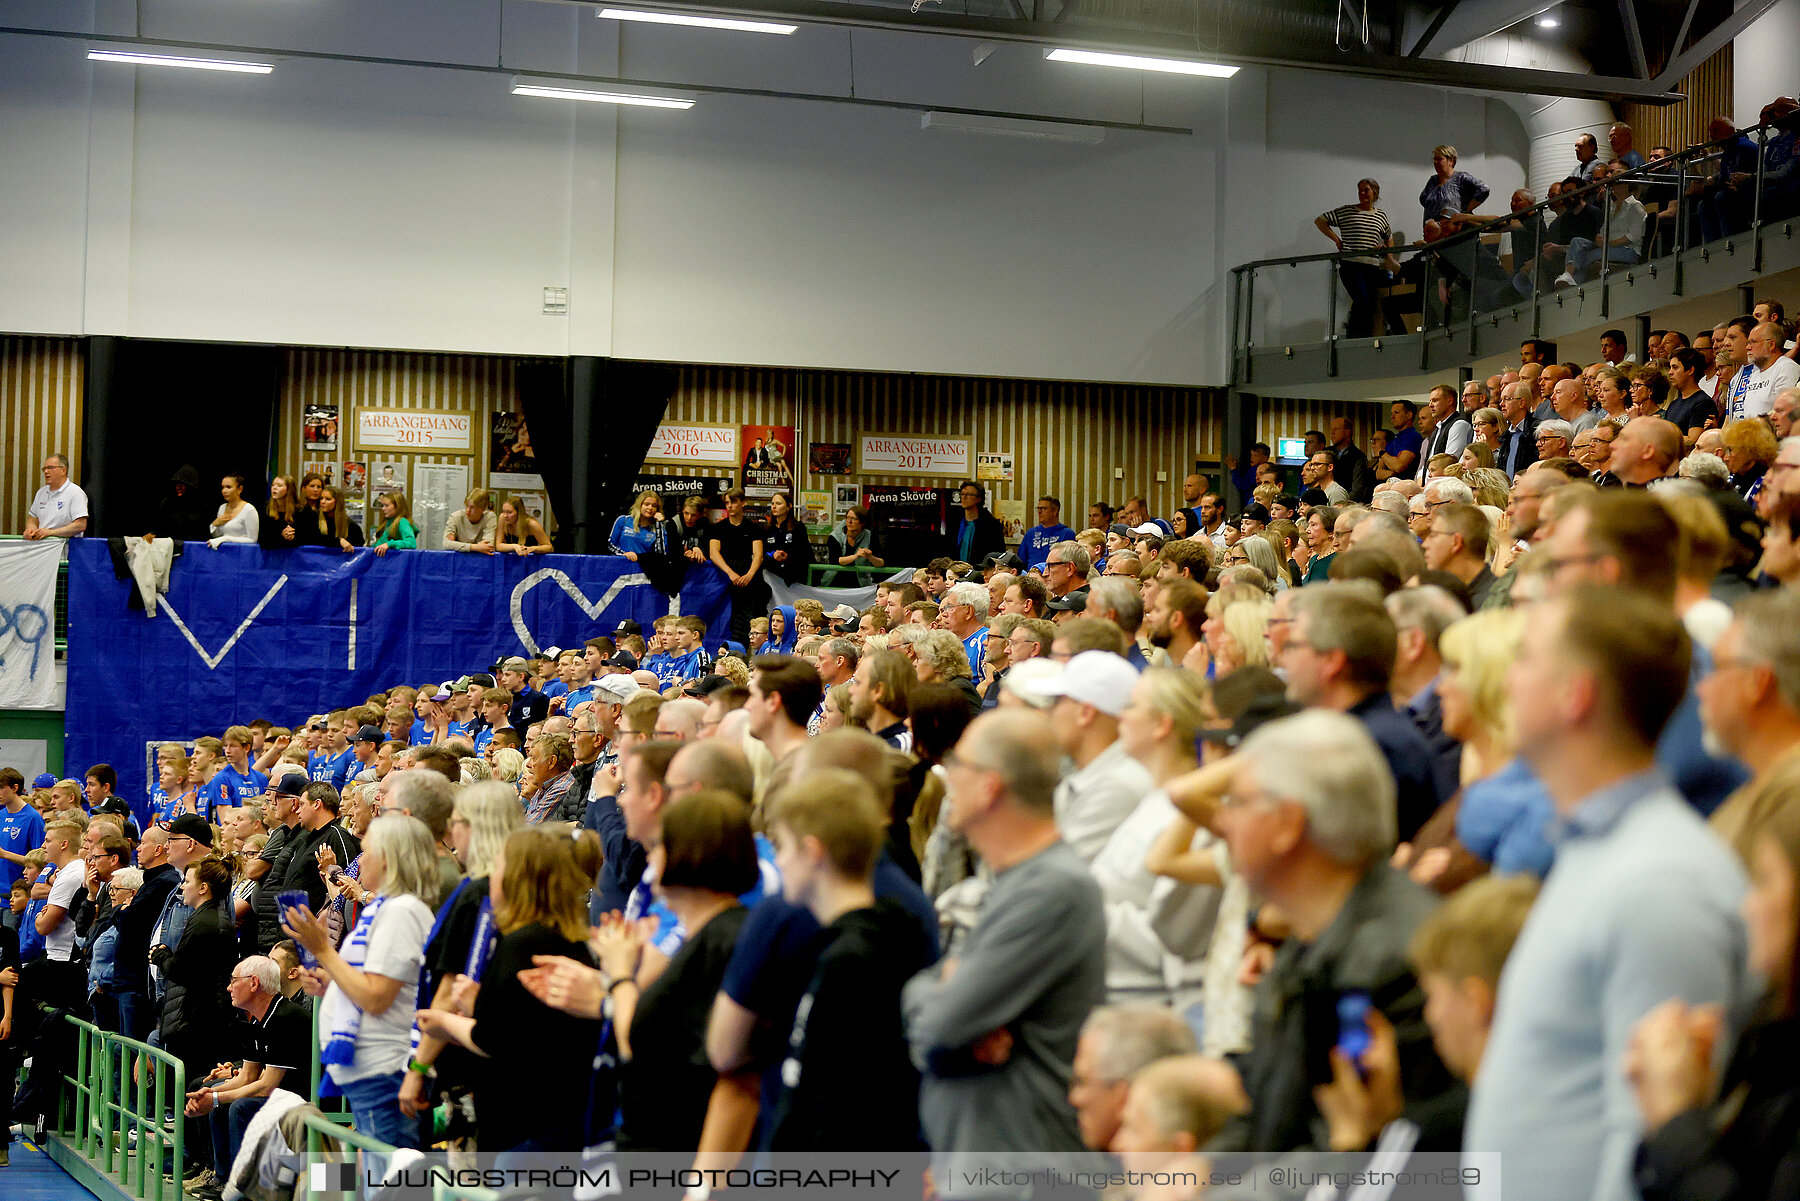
1615,208
1437,805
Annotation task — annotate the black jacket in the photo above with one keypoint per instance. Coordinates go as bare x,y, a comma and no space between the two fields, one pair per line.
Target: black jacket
135,922
1354,473
792,539
990,537
198,972
1745,1145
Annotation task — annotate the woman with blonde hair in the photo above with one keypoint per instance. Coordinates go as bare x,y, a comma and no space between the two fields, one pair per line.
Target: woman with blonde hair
641,530
1489,486
508,766
1243,638
370,988
396,529
1477,455
1487,424
538,889
1749,449
483,818
1499,818
347,534
518,532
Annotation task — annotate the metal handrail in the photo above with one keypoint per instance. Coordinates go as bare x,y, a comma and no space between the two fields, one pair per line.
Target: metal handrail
1644,174
121,1086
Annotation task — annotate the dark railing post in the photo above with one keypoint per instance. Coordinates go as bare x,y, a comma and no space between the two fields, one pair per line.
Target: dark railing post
1427,294
1605,248
1237,304
1683,214
1331,325
1762,149
1249,323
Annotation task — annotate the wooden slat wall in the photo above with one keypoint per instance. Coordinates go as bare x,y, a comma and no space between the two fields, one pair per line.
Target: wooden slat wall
40,415
1065,438
353,379
1708,89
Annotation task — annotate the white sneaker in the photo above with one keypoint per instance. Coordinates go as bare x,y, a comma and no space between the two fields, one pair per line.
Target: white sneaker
1565,280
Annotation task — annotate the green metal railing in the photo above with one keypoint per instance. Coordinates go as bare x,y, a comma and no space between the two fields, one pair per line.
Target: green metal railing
121,1087
320,1130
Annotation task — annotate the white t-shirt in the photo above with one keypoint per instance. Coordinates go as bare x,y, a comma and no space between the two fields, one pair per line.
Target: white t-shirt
397,951
54,510
1764,383
59,944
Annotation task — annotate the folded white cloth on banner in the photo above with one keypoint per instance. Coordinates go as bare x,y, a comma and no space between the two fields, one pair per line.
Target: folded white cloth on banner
149,562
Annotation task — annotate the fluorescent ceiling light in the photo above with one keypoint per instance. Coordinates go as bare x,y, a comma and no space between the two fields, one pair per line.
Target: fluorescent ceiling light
1138,62
656,18
1014,127
1547,22
176,60
600,95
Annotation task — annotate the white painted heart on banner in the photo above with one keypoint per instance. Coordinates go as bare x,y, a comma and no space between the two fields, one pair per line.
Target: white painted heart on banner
592,608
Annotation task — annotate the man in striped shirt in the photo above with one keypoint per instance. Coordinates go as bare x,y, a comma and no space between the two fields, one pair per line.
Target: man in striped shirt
1360,227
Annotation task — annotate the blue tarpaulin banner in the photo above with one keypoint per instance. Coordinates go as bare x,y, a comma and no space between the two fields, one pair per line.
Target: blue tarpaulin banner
244,633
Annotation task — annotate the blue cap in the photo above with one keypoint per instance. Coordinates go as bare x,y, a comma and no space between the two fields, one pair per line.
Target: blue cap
46,780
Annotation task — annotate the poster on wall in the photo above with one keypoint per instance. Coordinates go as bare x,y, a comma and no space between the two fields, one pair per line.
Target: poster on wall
321,467
386,475
356,479
912,454
828,458
695,446
909,522
768,463
815,513
847,496
1011,514
533,505
320,431
438,491
994,465
511,463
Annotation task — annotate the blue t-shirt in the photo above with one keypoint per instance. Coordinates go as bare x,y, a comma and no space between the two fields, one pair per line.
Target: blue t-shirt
1035,546
486,736
331,769
556,688
216,794
669,934
627,535
245,784
663,665
20,833
586,692
692,666
167,808
975,646
1406,439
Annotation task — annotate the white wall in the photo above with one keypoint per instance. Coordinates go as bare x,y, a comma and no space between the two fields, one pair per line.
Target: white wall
339,203
1763,60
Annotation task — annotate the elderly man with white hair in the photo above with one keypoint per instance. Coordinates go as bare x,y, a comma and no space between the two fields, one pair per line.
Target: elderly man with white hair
1554,439
274,1035
965,614
1707,470
1310,822
1447,490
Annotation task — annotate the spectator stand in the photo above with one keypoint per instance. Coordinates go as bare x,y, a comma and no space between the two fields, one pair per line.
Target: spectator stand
1276,304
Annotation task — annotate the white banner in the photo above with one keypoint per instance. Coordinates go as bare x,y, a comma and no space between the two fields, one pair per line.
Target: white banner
421,430
700,445
27,623
911,454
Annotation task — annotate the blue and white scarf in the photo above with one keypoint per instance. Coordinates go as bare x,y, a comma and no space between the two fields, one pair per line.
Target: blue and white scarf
346,1018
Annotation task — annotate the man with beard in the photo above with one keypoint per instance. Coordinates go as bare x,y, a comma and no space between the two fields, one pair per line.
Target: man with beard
878,693
1176,616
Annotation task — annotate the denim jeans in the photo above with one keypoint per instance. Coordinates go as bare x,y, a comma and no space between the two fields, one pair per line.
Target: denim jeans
375,1103
1583,254
228,1122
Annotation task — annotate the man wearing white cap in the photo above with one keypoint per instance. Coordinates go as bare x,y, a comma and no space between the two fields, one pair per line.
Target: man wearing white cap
610,694
1107,783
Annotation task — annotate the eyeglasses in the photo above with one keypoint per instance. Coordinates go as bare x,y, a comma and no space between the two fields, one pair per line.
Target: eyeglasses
1559,562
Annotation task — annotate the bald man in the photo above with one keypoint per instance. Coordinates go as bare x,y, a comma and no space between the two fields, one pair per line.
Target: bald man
1645,450
1569,399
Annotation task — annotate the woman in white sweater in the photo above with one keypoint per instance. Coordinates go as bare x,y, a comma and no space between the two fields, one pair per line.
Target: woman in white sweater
237,520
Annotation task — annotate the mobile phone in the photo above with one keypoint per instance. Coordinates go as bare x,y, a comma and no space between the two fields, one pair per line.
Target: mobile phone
333,874
1353,1026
